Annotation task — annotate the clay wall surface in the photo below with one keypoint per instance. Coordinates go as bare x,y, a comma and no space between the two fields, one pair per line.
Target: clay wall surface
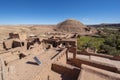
69,71
12,43
100,55
78,62
72,49
22,36
16,44
60,56
12,35
92,73
73,43
32,41
56,42
51,41
11,58
7,44
59,65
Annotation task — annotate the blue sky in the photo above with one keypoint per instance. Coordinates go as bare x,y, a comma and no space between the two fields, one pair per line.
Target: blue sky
55,11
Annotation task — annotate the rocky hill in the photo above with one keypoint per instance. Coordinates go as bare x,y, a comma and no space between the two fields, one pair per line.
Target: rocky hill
75,26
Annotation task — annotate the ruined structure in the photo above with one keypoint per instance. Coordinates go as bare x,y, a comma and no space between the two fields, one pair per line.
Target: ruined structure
19,40
54,56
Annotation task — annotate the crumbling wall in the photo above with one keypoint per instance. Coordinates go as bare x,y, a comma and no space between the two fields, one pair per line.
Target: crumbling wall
12,43
16,44
51,41
32,41
72,43
7,44
13,35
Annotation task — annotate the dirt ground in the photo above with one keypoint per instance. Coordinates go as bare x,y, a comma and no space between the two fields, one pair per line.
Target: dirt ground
4,30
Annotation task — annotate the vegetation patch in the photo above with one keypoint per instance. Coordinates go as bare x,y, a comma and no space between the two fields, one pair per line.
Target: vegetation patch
88,41
106,43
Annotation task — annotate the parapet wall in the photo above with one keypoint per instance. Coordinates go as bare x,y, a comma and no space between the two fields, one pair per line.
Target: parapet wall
78,62
100,55
98,74
60,56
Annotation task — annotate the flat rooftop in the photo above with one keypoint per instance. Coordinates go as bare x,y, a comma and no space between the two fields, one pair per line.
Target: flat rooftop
27,69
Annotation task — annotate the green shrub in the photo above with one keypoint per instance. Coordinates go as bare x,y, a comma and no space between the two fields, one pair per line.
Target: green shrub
88,41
